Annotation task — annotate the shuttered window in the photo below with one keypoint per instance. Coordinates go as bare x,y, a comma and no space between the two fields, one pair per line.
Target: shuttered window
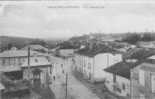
142,77
153,83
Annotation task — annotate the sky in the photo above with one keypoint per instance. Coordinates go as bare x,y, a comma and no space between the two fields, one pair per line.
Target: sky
63,19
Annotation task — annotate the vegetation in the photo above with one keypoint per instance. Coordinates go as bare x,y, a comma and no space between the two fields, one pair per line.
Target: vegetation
7,42
133,38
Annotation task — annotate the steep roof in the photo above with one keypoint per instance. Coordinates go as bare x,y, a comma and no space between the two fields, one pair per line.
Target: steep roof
122,68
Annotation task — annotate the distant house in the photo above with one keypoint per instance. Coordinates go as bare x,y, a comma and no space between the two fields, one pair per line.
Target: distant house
36,47
149,44
59,67
143,80
92,62
139,53
66,52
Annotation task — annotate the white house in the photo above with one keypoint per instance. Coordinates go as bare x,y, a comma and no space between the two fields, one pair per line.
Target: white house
16,57
36,47
66,52
92,65
17,60
143,81
120,72
59,66
38,66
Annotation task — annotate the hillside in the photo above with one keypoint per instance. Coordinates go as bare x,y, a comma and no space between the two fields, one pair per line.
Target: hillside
6,42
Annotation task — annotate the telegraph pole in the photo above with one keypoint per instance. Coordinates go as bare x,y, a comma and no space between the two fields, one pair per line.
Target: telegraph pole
28,63
66,85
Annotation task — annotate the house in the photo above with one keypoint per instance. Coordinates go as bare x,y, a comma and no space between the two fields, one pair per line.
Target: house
59,67
36,47
66,52
119,80
143,44
92,61
23,65
139,53
16,57
12,80
143,80
39,69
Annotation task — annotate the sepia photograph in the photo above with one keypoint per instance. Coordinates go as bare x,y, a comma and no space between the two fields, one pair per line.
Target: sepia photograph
74,49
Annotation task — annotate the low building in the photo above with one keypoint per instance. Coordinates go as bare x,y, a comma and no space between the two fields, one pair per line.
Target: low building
21,67
16,57
149,44
11,77
143,80
36,47
39,68
66,52
92,63
119,80
61,66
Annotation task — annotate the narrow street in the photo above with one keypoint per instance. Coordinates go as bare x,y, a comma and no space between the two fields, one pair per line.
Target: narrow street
75,89
78,91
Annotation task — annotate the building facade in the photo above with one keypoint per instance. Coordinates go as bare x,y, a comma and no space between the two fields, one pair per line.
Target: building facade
32,64
119,81
93,67
143,81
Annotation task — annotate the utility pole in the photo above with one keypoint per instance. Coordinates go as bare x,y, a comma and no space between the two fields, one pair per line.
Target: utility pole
28,63
66,85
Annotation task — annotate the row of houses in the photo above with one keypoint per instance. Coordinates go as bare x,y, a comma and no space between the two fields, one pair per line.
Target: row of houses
131,78
20,68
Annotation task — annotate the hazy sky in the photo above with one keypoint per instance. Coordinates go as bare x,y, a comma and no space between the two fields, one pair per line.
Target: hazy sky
34,19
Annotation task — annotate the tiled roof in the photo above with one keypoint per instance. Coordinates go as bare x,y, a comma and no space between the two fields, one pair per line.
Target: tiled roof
122,68
147,67
35,47
96,50
18,53
139,53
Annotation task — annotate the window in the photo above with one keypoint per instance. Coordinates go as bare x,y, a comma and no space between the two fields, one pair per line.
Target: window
153,83
36,60
142,77
114,78
123,86
51,69
89,66
3,62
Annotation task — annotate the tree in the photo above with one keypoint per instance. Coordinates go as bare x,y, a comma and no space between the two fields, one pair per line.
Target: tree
132,38
38,41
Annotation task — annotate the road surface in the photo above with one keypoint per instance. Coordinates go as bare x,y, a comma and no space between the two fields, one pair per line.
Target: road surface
76,90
